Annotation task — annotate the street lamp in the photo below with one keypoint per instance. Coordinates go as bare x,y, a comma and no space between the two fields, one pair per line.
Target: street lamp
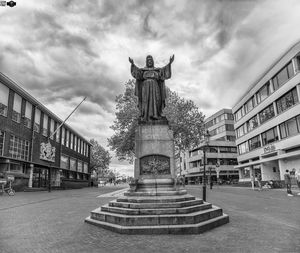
206,143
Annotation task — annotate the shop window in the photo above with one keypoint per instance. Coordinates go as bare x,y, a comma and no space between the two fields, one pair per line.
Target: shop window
287,100
254,143
269,136
266,114
245,172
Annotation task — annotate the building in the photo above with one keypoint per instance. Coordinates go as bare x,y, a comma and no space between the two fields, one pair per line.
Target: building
28,149
221,151
267,121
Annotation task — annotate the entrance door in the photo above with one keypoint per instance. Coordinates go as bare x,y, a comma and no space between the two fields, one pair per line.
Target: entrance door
40,178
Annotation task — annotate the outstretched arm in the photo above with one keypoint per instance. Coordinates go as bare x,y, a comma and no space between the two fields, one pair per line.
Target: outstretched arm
131,61
135,71
171,59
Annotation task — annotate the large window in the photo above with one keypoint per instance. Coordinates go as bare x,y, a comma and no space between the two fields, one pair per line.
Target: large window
18,148
249,105
67,138
71,140
28,114
266,114
2,137
263,93
239,114
243,147
64,162
63,133
16,115
269,136
4,92
73,164
252,123
289,127
85,168
283,75
75,143
287,100
254,143
57,135
45,125
241,130
37,120
79,166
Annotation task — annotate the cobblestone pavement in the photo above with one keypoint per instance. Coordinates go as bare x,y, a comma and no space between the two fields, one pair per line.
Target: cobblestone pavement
266,221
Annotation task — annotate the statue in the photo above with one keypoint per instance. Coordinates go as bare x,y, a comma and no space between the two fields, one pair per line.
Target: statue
150,88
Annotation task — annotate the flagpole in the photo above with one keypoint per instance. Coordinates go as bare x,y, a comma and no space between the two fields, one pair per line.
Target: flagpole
66,119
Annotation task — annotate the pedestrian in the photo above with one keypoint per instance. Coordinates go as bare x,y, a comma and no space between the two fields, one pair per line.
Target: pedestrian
288,183
259,181
253,181
297,176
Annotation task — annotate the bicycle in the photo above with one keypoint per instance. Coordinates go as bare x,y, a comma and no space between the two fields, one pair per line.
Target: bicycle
9,190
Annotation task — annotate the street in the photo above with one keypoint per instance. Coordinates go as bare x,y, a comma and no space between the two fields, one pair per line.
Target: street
266,221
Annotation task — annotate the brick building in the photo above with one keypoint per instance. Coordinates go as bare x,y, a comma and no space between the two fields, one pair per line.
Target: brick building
28,149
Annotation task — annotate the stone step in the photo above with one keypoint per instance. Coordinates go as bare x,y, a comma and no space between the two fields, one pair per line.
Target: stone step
156,199
163,229
155,193
155,211
152,205
155,220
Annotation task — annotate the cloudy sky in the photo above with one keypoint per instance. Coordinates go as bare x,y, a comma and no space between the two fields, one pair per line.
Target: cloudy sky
60,51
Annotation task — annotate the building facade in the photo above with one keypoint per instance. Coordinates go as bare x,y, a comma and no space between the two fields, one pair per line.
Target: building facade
31,151
221,151
267,122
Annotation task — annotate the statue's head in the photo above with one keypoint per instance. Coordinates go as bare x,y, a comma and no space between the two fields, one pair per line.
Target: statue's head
149,61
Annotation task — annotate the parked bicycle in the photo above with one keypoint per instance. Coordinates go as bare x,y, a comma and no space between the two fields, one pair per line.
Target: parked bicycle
6,187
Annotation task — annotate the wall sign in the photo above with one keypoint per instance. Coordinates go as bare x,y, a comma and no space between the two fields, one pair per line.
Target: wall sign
269,148
47,152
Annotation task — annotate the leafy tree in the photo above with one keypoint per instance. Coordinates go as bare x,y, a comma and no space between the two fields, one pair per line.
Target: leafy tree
100,158
183,115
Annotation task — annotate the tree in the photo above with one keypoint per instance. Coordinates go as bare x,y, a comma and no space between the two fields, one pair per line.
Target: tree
100,158
184,117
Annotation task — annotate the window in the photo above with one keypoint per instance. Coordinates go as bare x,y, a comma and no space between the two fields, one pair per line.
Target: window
71,141
67,138
289,128
287,100
2,137
79,166
16,114
243,148
85,168
239,114
193,164
263,93
28,114
266,114
81,151
51,128
254,143
4,92
57,132
269,136
73,164
227,150
37,120
75,143
64,162
63,132
18,148
252,123
241,130
229,127
45,125
229,116
283,75
249,105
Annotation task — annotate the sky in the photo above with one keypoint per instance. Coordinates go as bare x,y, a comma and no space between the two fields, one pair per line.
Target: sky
61,51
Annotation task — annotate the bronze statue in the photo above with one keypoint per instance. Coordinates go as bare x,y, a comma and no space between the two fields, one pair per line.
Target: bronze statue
150,88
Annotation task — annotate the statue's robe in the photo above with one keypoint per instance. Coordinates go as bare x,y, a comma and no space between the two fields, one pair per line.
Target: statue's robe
150,90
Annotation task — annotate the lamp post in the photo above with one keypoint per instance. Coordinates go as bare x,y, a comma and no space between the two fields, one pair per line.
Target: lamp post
206,143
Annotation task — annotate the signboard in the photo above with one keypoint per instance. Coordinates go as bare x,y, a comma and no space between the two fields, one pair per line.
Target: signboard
270,148
47,152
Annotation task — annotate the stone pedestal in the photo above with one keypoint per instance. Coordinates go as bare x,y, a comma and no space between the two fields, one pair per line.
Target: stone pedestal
154,204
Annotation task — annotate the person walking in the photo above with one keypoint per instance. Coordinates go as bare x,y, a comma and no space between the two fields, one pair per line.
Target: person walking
259,181
297,176
288,183
253,181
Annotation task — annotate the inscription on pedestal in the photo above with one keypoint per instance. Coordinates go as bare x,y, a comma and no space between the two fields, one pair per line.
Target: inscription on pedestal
155,165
